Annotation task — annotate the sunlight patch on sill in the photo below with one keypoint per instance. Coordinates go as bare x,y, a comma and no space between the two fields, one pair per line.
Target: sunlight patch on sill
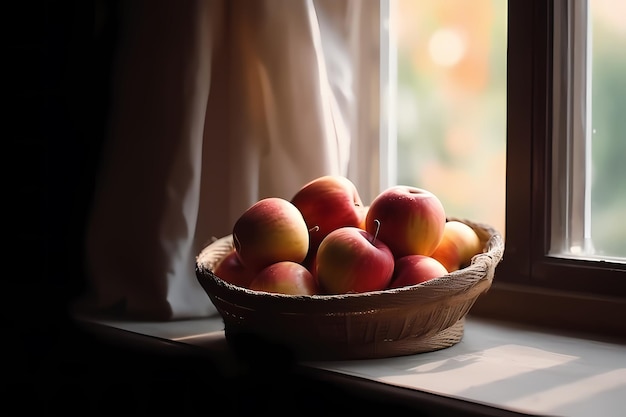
576,391
457,374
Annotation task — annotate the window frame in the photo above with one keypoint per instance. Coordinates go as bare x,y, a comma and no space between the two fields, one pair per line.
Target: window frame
530,285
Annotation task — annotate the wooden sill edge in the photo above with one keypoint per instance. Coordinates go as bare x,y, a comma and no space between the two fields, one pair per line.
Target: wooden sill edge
584,315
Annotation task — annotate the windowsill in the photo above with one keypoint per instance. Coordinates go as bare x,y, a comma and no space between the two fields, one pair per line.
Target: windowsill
499,367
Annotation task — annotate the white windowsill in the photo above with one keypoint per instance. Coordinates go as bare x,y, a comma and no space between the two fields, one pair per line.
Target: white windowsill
505,366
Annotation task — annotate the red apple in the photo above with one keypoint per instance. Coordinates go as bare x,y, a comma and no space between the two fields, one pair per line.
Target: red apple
411,220
270,231
231,270
328,203
363,210
415,269
285,277
351,260
458,245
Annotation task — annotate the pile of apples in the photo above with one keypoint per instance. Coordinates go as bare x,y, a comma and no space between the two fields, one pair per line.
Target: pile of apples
326,241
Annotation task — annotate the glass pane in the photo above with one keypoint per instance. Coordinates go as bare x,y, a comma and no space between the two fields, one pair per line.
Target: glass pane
451,103
608,148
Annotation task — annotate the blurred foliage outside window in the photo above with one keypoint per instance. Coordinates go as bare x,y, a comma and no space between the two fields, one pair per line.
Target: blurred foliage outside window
451,110
608,135
451,103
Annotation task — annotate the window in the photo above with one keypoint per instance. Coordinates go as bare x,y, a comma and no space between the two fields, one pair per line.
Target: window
564,190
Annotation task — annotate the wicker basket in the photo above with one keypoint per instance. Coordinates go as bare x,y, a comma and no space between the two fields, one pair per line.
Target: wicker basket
395,322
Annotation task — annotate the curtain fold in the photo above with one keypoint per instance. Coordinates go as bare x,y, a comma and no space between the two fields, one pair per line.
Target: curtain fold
216,104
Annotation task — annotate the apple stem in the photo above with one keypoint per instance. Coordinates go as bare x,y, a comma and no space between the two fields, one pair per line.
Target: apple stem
377,229
236,243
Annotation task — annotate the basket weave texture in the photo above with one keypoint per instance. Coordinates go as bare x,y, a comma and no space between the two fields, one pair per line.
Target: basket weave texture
394,322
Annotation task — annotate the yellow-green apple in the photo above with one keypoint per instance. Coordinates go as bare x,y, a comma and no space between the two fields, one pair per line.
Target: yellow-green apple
352,260
415,269
458,245
328,203
231,270
411,220
269,231
285,277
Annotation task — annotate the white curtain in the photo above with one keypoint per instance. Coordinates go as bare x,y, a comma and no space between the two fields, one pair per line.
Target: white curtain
215,104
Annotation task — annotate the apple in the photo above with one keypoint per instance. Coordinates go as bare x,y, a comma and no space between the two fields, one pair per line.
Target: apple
458,245
363,213
269,231
415,269
328,203
231,270
285,277
411,220
352,260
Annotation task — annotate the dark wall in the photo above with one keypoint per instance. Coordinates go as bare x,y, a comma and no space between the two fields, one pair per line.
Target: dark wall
57,59
59,64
